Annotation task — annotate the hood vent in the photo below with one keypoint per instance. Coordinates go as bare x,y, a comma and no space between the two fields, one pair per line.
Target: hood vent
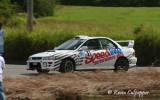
36,58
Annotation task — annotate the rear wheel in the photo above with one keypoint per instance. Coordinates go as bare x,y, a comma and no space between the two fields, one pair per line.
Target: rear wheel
121,65
42,71
67,66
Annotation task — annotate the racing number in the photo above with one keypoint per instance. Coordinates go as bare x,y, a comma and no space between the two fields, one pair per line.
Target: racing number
88,53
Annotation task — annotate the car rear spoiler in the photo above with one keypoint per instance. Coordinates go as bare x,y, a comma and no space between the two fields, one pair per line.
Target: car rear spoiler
130,42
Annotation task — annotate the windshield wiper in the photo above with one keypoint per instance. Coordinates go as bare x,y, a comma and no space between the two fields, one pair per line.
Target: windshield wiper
50,50
60,49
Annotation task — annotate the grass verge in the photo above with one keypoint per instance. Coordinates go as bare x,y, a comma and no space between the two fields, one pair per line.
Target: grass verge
84,85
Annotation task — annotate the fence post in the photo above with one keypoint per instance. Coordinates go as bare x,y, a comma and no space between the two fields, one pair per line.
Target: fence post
30,14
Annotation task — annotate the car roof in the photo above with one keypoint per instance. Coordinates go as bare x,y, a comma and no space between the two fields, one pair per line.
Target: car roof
87,37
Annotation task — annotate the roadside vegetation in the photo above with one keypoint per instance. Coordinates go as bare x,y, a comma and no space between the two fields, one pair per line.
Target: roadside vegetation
111,3
141,24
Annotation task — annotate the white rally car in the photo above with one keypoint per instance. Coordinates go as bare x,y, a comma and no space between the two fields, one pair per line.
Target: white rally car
85,53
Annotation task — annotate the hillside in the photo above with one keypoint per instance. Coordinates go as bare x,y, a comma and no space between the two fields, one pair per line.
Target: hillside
105,19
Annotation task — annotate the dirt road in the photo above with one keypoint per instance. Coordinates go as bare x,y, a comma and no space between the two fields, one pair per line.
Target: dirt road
20,70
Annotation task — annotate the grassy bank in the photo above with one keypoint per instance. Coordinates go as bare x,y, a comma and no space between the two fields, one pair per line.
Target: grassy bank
82,19
116,19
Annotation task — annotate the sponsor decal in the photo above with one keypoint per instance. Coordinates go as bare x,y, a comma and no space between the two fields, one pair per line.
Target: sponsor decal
82,54
101,57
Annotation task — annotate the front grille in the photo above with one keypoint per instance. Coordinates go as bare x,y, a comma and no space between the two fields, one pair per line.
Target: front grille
36,58
35,65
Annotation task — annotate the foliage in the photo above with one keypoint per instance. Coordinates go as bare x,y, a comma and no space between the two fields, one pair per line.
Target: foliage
147,46
21,3
42,8
20,44
113,3
6,10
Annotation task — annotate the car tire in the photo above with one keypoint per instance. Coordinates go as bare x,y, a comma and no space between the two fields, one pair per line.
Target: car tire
121,65
42,71
67,66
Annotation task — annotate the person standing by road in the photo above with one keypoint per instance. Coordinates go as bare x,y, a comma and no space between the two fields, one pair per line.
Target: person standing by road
2,65
1,40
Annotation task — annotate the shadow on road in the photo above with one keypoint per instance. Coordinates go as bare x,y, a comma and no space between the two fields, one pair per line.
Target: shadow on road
36,74
30,74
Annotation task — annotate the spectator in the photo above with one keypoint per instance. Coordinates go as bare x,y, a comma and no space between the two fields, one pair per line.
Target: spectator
1,40
2,65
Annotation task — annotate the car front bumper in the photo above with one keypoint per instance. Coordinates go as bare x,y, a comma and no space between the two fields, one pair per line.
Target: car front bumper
41,64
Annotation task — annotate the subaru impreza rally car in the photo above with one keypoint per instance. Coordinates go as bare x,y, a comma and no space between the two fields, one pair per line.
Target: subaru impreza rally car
85,53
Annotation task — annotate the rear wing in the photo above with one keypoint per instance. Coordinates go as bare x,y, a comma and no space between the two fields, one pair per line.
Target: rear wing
130,42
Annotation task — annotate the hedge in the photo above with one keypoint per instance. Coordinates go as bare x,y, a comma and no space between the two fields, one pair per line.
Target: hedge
147,46
20,44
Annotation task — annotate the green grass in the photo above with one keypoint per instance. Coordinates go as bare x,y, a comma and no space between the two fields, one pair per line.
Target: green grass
105,19
93,20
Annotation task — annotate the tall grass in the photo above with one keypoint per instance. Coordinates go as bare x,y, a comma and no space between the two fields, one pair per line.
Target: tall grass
83,85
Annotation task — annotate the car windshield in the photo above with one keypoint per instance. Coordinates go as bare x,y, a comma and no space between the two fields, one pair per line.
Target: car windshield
71,44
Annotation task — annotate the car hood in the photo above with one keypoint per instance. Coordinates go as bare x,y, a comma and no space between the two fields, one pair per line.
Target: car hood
51,53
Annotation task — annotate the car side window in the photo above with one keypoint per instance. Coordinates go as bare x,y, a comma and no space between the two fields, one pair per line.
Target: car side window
92,44
107,44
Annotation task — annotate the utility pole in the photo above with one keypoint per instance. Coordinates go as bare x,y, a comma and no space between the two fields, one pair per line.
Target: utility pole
30,14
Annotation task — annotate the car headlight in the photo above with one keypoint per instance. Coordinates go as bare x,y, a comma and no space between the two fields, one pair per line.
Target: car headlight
49,58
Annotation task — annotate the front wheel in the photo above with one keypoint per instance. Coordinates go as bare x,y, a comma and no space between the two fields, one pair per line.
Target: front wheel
121,65
42,71
67,66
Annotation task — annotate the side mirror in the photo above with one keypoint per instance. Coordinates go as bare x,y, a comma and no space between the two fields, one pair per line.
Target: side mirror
84,48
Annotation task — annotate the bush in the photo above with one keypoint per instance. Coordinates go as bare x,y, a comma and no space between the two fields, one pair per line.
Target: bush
17,21
19,45
113,3
6,10
147,46
44,8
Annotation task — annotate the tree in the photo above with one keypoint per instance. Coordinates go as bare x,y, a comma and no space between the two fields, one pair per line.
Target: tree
6,10
113,3
22,4
42,8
